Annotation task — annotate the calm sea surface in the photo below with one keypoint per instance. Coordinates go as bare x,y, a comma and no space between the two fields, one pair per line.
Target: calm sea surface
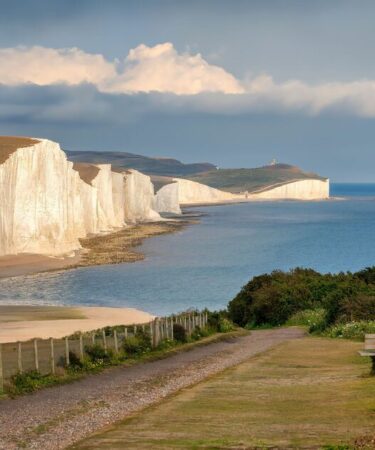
206,264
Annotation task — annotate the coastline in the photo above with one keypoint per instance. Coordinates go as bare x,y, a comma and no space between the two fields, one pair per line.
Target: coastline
111,248
21,323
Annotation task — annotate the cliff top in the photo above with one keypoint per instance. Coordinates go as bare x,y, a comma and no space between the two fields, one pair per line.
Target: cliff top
145,164
87,172
240,180
9,144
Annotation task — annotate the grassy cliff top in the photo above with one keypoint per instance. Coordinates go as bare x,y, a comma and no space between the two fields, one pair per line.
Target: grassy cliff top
150,166
240,180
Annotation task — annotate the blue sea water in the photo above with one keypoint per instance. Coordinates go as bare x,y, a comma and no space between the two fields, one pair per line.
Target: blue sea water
205,265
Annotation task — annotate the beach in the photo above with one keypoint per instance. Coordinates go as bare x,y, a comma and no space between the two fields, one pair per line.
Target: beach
21,323
110,248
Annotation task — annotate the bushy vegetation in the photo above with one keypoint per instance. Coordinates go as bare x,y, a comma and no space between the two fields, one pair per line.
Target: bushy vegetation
305,297
351,330
179,333
138,344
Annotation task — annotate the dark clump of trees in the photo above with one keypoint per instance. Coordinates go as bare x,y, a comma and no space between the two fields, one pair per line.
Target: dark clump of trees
273,298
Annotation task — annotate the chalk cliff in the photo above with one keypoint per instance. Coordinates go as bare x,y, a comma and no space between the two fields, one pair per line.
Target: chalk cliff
167,199
191,192
139,197
295,190
40,207
47,203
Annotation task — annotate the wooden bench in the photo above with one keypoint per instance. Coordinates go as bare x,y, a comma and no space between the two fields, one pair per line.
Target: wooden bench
369,350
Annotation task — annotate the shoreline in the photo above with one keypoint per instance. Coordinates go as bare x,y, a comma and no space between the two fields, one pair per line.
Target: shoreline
111,248
22,323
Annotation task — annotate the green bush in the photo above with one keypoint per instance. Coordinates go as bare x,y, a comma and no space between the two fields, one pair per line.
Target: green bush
23,383
138,344
97,354
225,325
351,330
314,319
179,333
276,297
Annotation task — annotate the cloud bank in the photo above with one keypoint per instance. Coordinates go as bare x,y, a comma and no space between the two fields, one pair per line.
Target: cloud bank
181,80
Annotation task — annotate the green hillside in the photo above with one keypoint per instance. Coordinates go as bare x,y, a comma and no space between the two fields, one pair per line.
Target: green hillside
151,166
240,180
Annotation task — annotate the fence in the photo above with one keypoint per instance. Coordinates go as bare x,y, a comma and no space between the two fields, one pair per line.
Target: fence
47,355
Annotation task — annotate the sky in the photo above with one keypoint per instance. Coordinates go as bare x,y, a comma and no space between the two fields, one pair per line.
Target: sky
236,83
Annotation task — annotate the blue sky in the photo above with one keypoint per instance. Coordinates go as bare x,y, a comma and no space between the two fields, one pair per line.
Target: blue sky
234,83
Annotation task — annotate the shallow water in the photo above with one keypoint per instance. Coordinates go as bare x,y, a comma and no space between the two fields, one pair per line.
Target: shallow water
205,265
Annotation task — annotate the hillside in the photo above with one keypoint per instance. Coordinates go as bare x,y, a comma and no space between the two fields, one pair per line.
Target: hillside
240,180
150,166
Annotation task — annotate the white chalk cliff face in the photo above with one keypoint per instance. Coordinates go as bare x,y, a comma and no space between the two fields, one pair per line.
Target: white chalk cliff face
167,199
46,204
40,207
191,192
295,190
139,197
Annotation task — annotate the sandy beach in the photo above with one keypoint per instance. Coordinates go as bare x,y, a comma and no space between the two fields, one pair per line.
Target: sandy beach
21,323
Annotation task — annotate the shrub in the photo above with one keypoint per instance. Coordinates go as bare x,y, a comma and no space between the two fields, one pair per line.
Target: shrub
138,344
314,319
74,360
179,333
351,330
23,383
97,354
225,325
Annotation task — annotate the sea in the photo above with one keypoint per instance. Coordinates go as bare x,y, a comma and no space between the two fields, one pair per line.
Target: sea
206,264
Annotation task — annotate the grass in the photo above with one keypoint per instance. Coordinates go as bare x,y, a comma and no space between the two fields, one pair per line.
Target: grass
306,393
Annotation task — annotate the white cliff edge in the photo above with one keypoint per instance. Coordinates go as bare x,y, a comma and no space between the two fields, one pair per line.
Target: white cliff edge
46,205
312,189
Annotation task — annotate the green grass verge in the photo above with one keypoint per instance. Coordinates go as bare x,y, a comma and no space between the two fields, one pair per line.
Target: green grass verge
307,393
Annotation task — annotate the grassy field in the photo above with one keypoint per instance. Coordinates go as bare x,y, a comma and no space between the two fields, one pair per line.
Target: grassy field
304,394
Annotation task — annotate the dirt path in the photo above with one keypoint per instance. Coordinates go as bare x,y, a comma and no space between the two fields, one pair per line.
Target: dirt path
57,417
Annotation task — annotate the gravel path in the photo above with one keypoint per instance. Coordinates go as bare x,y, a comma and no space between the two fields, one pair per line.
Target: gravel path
57,417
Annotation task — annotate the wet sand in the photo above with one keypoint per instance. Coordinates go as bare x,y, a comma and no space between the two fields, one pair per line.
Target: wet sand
21,323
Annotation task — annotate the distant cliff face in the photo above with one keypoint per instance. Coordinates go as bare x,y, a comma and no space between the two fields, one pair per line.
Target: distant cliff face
296,190
167,199
139,197
190,192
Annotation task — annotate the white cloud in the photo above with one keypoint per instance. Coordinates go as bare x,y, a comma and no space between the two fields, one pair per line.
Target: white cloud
162,69
192,81
44,66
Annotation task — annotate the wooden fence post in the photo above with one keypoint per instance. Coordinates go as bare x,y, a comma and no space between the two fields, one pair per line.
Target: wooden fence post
67,359
116,342
156,332
52,356
1,369
81,347
135,330
36,358
19,357
93,338
172,335
151,332
104,340
126,333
